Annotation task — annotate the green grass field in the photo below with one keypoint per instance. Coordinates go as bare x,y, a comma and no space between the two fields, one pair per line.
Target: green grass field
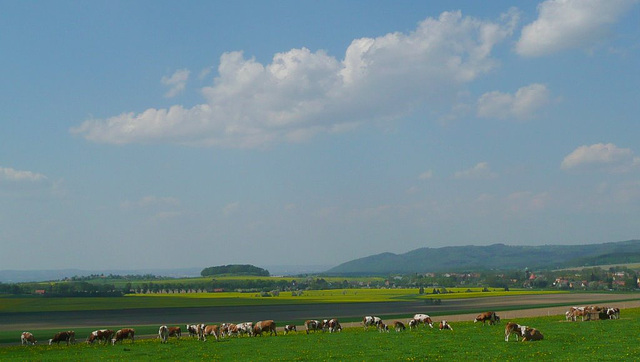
609,340
50,304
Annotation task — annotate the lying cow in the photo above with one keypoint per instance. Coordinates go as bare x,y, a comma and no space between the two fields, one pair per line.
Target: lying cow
399,326
101,335
312,325
163,334
531,334
290,328
27,338
369,321
490,317
424,319
444,325
66,336
265,326
515,329
122,334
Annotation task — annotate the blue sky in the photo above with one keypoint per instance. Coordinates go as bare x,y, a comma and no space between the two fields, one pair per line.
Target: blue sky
171,134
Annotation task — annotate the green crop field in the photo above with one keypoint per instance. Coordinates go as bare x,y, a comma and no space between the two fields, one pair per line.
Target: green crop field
50,304
607,340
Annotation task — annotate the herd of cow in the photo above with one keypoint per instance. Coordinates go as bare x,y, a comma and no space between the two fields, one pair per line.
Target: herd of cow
201,331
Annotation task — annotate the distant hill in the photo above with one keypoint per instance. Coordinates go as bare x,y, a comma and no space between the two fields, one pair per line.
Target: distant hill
496,256
234,269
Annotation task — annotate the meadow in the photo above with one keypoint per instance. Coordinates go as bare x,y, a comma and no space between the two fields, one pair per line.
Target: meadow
9,304
563,341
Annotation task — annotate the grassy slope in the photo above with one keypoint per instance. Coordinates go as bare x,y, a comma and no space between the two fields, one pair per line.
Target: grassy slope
564,341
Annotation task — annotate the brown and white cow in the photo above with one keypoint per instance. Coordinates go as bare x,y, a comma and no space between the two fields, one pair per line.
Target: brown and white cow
229,329
312,325
413,324
513,328
334,325
27,338
490,317
399,326
192,329
163,334
290,328
383,327
582,312
265,326
122,334
65,336
613,313
424,319
211,330
175,332
444,325
531,334
369,321
101,335
245,328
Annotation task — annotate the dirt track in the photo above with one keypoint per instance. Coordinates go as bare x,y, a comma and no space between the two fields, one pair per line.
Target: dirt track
449,310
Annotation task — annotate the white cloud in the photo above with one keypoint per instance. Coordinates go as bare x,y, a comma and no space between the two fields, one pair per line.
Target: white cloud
10,174
151,201
567,24
230,208
302,93
523,105
479,171
602,156
176,83
426,175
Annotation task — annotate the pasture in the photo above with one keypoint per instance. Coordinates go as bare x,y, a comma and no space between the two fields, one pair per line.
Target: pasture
563,341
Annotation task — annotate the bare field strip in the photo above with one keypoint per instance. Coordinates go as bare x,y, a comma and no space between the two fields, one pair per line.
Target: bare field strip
300,312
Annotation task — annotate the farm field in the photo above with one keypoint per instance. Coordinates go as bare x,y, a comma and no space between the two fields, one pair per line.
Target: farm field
133,301
606,340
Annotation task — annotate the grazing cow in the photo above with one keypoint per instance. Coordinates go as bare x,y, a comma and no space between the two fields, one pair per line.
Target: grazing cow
211,330
491,317
334,326
229,329
424,319
192,329
399,326
175,332
413,324
101,335
613,313
513,328
290,328
265,326
383,327
245,328
163,334
531,334
122,334
27,338
369,321
66,336
445,325
312,325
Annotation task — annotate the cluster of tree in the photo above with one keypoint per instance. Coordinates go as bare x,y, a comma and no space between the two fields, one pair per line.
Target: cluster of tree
115,277
234,269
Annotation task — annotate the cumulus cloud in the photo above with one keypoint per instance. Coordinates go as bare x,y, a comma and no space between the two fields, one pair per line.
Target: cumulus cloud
302,93
522,105
479,171
176,83
567,24
601,156
10,174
